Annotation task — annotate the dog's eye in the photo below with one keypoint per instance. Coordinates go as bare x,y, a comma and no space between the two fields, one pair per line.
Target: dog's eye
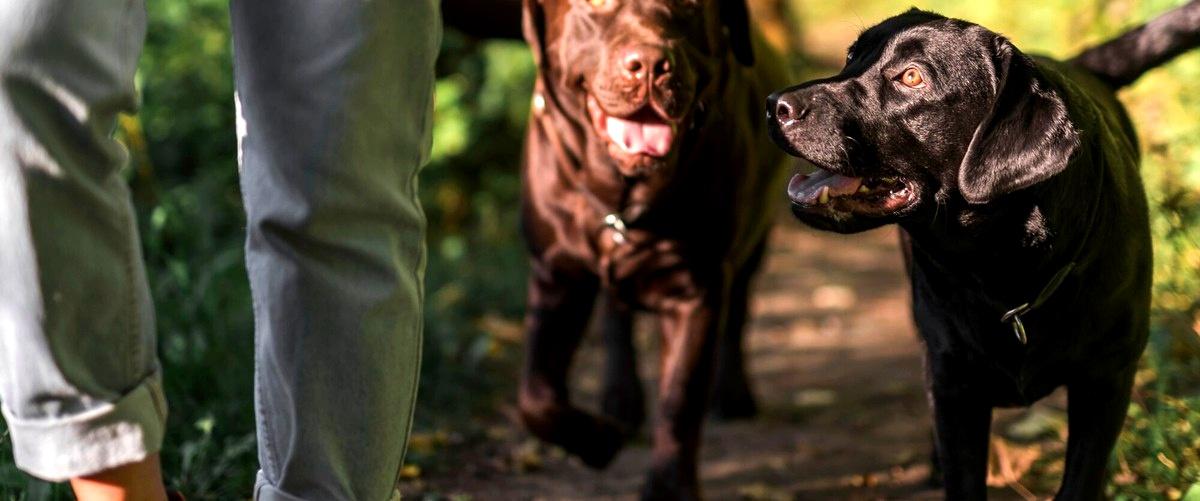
912,78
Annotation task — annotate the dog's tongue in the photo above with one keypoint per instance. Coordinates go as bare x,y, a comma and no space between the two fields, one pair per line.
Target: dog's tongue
641,137
806,189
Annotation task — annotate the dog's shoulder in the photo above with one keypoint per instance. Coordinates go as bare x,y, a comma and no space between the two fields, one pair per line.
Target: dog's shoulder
1095,111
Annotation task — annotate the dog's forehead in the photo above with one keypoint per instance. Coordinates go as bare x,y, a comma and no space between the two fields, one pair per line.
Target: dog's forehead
623,19
877,37
663,9
609,5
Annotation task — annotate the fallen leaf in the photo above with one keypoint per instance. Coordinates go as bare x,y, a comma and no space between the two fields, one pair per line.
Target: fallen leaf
834,297
410,471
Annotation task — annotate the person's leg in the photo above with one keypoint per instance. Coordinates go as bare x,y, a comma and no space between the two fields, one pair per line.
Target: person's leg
335,104
134,481
79,378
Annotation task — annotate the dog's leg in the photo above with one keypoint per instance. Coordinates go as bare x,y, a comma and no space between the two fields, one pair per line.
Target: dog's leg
962,422
558,313
936,477
1095,413
688,353
732,396
623,398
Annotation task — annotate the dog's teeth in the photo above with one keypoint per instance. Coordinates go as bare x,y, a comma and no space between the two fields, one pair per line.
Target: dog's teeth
824,198
864,189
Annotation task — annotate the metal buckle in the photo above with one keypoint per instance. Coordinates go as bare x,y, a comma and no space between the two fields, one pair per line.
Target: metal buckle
1014,316
618,226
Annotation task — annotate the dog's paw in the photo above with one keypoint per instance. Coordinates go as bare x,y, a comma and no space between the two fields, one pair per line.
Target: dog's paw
600,448
666,488
627,408
734,405
598,458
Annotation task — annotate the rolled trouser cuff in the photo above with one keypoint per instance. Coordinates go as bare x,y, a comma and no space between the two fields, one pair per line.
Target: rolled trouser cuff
264,491
104,437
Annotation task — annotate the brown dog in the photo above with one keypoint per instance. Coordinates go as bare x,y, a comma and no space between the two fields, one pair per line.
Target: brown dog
647,182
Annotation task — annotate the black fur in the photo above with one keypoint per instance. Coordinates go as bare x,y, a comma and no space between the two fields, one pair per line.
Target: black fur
1122,60
1026,138
736,17
1004,172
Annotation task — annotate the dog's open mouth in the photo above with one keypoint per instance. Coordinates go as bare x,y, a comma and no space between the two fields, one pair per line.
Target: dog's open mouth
825,190
643,133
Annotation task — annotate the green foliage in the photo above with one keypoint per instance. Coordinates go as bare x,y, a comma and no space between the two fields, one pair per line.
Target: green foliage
471,191
1158,456
189,207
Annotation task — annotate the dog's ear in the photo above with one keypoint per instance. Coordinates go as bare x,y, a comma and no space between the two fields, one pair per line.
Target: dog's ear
1026,138
533,25
735,15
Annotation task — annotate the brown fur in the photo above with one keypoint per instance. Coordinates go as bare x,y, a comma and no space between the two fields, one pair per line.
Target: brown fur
698,220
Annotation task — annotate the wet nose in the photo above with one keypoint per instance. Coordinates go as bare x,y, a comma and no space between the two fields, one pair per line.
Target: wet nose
641,61
786,108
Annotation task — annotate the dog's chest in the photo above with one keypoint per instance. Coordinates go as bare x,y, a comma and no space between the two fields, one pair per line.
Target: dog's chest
1019,381
641,265
987,353
633,255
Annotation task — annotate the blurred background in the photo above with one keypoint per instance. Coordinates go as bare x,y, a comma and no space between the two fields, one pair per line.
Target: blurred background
832,350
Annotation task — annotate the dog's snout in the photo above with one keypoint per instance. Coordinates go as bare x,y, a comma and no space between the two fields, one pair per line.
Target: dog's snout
638,62
783,110
786,108
791,113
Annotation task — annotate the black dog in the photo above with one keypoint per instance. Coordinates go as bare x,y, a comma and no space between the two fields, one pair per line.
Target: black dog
1015,182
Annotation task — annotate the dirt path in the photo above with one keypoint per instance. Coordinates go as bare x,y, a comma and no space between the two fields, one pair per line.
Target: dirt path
837,369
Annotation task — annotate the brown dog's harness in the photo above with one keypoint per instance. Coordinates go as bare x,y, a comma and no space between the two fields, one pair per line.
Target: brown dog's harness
619,243
614,222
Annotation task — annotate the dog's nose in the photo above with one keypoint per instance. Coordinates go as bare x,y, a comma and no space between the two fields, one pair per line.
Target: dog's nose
784,108
641,61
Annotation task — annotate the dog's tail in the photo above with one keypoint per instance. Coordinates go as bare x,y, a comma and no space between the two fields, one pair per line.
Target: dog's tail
1120,61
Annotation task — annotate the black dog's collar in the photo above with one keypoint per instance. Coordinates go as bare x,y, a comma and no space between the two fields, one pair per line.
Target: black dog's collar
1013,316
